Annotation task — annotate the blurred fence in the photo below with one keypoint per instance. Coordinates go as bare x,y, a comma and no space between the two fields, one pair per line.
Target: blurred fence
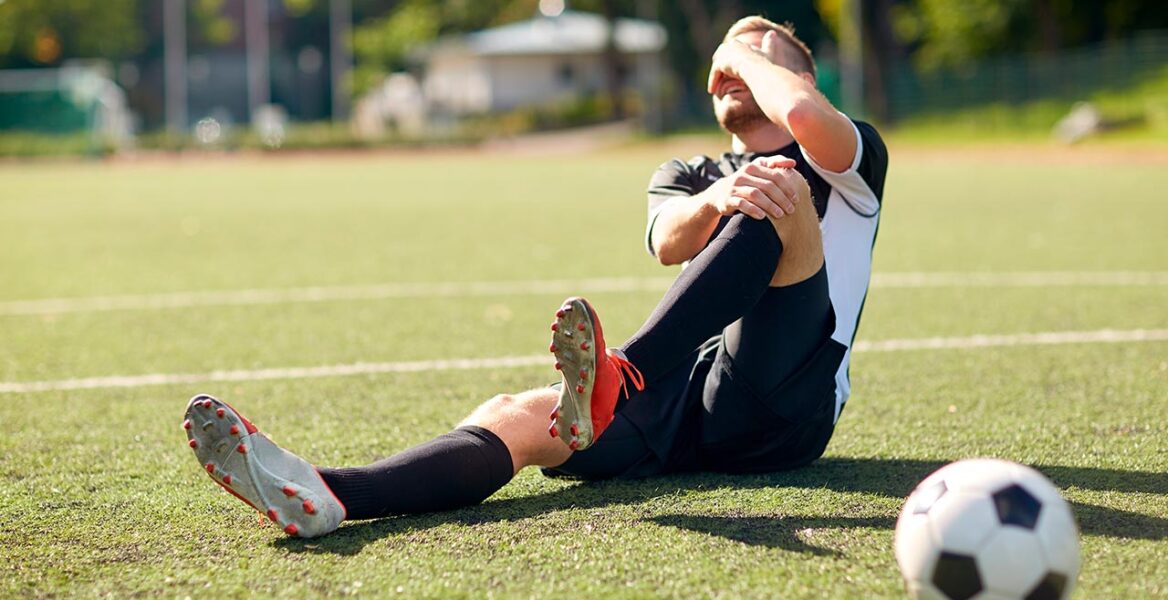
1065,77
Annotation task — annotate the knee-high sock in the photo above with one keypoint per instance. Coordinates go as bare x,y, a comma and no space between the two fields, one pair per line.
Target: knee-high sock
718,287
457,469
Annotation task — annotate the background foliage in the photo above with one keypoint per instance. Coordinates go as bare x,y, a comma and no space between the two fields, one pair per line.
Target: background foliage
924,36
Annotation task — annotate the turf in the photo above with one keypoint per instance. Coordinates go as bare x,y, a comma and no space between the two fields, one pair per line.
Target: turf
100,495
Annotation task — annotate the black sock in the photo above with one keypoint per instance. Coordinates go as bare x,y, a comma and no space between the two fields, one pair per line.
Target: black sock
720,284
457,469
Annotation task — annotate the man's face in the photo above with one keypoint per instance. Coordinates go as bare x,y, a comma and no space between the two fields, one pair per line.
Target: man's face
734,104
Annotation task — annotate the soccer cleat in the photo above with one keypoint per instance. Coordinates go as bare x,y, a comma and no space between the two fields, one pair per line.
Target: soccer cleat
592,378
254,469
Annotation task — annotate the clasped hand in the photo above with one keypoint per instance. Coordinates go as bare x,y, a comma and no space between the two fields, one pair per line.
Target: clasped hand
766,186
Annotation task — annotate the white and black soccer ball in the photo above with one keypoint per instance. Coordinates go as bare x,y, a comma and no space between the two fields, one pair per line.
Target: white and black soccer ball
986,528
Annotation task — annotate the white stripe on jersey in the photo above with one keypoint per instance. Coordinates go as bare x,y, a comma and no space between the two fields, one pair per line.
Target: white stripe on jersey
849,230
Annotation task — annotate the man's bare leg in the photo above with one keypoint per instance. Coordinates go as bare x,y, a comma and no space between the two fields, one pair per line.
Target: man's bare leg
519,420
802,254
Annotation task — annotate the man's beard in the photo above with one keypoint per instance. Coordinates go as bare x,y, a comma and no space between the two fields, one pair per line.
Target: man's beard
743,117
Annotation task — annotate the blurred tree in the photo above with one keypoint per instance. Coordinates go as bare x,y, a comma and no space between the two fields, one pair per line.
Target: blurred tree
952,33
383,43
209,25
942,33
614,64
39,33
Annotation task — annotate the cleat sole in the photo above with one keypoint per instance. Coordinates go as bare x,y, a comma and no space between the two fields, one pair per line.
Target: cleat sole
259,472
572,417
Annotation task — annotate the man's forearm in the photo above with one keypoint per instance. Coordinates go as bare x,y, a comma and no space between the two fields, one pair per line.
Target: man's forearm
793,103
778,91
682,228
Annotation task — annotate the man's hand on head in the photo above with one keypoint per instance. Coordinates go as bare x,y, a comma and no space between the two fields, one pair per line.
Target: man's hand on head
766,186
772,47
728,60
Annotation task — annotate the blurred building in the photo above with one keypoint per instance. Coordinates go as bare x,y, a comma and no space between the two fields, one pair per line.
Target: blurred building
540,61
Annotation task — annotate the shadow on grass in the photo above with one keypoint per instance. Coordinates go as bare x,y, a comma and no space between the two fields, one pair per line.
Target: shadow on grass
883,477
772,532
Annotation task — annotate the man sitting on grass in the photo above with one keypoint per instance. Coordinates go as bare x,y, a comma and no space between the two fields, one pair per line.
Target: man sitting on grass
742,366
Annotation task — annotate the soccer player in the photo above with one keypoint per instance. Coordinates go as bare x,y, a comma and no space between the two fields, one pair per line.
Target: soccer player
742,366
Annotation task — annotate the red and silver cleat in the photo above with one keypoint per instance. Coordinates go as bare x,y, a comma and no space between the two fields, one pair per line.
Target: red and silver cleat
593,377
254,469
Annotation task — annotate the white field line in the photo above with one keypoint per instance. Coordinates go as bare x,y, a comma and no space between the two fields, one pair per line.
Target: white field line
1020,279
1107,336
329,293
564,286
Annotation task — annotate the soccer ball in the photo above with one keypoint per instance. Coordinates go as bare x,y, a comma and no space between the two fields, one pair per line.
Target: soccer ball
986,528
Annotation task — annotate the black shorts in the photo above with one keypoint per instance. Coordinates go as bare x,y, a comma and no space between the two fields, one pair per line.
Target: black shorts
759,397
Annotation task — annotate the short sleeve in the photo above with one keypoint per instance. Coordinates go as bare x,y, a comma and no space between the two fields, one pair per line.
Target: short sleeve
673,179
873,164
862,184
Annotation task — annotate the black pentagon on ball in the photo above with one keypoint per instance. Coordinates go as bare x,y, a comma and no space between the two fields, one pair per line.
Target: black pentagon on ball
928,496
1050,588
956,575
1016,506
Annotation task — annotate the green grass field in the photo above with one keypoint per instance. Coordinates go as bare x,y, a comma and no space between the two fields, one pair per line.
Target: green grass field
99,494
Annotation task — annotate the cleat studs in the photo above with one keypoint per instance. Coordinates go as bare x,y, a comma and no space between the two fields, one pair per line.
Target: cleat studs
552,348
584,374
558,365
210,468
234,430
560,314
187,424
219,412
206,404
580,327
584,346
573,445
242,449
553,431
193,444
309,507
575,430
272,514
227,479
555,326
579,388
291,529
288,491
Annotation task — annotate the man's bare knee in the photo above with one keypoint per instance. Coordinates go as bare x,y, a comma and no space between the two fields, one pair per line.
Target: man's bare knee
499,409
521,421
804,221
802,244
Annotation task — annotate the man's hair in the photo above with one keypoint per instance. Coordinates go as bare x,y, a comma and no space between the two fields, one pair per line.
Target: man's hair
795,51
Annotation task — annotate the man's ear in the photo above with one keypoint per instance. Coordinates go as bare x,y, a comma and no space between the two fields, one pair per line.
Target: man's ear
808,77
